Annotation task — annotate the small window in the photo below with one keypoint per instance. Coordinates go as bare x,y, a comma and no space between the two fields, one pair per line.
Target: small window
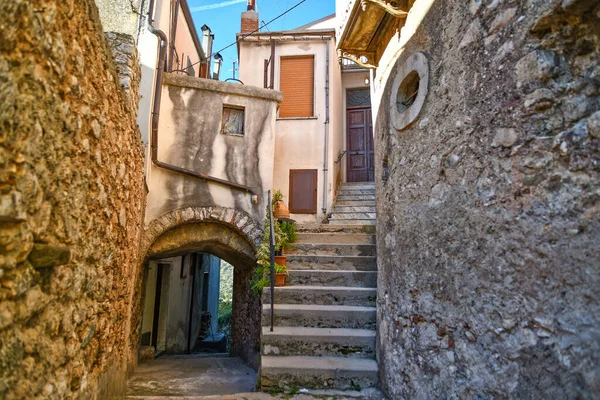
297,81
233,121
358,98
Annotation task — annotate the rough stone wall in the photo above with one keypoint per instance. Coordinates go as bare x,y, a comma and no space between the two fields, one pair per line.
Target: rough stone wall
489,210
126,60
71,202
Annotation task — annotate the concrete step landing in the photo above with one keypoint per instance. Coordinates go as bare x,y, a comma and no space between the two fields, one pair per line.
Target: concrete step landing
301,341
332,262
318,316
318,372
333,249
325,295
365,279
335,238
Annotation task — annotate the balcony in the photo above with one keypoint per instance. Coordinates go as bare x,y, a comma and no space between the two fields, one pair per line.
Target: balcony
367,27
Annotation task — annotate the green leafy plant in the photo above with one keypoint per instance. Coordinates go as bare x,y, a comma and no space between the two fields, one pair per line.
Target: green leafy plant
291,236
262,273
276,196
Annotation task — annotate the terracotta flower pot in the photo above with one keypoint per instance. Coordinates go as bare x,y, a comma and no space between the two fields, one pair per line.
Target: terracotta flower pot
281,260
280,279
280,210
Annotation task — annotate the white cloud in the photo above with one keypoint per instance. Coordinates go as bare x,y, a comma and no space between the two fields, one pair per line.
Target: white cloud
217,5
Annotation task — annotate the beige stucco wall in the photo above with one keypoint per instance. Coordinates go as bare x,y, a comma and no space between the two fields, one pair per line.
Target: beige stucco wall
299,142
189,137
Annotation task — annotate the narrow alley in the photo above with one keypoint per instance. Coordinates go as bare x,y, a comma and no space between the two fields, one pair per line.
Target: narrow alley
310,199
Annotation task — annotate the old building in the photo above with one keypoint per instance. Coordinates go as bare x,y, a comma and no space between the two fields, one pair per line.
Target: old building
123,166
315,147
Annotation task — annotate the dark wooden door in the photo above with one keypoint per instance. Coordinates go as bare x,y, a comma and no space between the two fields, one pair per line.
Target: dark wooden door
359,144
303,191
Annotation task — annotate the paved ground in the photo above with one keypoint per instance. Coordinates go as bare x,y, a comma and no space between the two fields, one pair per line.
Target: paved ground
365,394
193,375
202,377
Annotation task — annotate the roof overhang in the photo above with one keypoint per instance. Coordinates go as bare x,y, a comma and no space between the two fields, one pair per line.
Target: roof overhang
367,27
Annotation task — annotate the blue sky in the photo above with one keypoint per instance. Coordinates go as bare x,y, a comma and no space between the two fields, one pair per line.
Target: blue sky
223,18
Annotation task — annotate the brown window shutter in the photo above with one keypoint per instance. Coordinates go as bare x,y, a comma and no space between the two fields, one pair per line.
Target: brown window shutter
303,191
297,74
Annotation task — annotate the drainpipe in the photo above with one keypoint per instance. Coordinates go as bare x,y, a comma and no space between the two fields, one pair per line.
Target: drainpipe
155,116
326,136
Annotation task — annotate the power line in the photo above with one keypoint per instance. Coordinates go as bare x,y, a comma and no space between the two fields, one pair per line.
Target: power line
248,34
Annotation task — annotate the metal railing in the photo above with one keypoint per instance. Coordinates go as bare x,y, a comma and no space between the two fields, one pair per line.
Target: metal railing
272,254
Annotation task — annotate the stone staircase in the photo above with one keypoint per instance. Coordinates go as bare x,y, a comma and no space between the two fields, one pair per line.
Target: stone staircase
355,204
325,318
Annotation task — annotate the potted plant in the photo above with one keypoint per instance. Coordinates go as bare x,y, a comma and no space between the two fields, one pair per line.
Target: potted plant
289,229
280,210
262,273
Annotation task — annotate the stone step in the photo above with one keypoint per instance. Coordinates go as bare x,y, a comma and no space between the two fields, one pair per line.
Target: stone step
353,222
355,203
332,263
366,279
324,295
333,249
351,191
320,316
347,209
353,215
356,197
318,372
340,228
358,184
322,342
335,238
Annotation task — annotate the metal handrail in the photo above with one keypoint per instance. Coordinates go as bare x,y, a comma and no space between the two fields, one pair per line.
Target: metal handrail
272,253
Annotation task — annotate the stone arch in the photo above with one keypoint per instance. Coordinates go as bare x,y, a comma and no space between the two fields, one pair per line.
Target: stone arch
237,220
230,234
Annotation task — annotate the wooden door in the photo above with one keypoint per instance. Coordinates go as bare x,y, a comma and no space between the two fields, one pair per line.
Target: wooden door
303,191
359,144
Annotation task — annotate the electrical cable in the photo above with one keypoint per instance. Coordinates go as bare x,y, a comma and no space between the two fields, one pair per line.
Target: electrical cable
248,34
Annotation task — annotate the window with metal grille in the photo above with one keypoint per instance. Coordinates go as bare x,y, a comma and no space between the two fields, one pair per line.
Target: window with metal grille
296,81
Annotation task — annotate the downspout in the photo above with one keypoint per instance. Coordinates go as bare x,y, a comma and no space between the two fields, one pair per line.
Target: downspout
326,136
155,116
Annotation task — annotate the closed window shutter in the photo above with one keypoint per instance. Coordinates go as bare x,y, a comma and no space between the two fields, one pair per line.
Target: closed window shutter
296,79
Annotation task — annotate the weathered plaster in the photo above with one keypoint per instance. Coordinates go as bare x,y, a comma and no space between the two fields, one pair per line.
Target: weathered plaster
189,137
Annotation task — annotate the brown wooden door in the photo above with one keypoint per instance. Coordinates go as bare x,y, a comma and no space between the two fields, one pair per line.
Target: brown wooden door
359,144
303,191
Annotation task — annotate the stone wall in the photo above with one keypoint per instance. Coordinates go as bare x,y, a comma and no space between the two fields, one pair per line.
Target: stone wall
489,206
71,203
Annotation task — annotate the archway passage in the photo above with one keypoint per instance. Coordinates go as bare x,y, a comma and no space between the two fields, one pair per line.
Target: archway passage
178,305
